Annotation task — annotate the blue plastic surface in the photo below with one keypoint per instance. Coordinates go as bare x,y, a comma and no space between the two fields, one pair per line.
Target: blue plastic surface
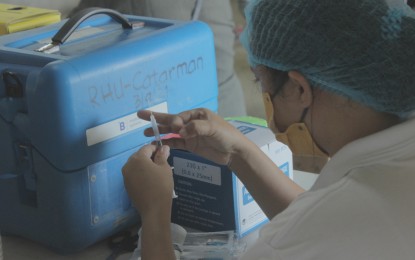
59,168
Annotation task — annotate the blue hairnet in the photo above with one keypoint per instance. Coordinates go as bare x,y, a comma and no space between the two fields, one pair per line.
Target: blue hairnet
361,49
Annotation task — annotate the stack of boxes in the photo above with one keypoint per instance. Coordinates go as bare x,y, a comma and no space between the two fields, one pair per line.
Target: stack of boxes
211,197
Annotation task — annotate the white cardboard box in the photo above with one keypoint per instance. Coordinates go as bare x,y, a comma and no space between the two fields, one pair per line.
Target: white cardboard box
211,198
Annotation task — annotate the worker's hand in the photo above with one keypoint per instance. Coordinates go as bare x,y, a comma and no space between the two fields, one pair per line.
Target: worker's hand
149,183
201,131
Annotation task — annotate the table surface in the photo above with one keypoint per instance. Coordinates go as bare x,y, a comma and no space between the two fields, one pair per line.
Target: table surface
17,248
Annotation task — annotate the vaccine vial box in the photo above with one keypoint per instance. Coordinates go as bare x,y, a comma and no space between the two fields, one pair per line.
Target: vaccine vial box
210,196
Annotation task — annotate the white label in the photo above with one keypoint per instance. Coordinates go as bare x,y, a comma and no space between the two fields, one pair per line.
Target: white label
197,171
119,126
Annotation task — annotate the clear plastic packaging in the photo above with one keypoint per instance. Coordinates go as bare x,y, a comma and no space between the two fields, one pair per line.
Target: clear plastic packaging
223,245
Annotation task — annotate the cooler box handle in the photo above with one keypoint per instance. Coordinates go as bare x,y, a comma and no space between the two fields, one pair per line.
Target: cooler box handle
70,26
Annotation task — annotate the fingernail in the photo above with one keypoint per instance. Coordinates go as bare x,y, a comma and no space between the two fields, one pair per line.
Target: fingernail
138,113
165,149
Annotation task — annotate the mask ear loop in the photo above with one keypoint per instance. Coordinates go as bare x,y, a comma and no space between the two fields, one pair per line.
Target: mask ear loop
303,115
311,132
306,110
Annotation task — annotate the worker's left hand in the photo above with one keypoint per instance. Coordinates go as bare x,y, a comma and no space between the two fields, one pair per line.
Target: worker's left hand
202,132
149,183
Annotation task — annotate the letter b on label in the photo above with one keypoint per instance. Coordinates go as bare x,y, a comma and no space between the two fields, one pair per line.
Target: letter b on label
122,126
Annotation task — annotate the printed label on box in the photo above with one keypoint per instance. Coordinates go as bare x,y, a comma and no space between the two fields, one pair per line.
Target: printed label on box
197,171
246,196
285,168
249,215
245,129
119,126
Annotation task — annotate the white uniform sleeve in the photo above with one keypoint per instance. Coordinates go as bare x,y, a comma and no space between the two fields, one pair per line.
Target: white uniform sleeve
261,251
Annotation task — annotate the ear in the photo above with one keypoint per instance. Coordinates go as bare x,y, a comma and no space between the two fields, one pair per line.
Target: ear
303,86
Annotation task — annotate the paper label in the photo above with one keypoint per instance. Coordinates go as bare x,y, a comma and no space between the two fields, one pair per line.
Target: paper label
120,126
197,171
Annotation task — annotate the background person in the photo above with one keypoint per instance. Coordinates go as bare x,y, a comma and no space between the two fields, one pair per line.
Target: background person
340,72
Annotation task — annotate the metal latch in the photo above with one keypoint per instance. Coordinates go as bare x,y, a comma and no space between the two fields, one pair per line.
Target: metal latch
13,85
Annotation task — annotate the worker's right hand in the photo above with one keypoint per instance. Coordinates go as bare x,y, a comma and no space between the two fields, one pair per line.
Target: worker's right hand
148,180
200,131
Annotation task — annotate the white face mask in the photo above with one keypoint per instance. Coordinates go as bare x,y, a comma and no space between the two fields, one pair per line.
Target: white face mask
307,156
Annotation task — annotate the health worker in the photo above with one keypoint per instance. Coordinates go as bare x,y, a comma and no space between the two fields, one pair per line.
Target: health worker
339,76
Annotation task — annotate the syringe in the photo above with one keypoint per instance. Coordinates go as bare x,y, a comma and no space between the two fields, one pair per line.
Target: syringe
158,140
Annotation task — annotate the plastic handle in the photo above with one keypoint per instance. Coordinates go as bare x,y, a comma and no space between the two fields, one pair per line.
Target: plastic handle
70,26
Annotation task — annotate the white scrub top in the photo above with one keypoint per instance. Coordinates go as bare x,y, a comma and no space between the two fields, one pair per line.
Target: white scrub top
362,206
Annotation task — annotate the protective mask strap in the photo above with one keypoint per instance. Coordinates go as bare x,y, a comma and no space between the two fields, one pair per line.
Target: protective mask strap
269,108
303,115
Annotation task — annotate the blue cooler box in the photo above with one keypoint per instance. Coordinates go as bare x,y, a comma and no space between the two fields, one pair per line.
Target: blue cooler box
68,117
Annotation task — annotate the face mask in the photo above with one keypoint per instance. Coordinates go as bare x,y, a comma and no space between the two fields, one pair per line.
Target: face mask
307,156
